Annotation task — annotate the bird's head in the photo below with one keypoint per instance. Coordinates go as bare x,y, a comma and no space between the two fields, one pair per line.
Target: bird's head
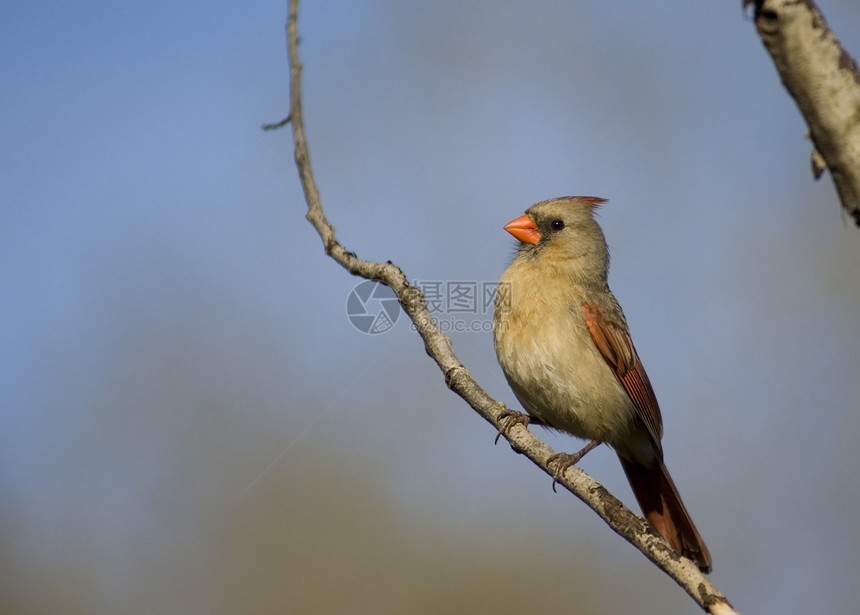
563,232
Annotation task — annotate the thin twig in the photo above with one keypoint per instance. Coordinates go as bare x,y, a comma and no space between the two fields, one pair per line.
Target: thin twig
623,521
277,125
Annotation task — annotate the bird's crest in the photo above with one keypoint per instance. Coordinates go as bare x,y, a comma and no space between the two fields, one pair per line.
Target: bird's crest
591,201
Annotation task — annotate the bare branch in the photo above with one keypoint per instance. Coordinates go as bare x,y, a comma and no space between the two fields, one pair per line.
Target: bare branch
824,82
623,521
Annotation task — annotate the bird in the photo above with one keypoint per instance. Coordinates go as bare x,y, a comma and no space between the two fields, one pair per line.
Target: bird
563,344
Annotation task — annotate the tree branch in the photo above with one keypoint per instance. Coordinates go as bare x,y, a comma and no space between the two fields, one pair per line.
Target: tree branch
824,82
624,522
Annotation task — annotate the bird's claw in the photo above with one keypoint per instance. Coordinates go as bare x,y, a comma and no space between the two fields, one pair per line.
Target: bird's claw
509,418
562,461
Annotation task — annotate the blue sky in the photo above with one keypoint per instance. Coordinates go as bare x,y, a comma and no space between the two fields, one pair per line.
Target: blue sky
191,424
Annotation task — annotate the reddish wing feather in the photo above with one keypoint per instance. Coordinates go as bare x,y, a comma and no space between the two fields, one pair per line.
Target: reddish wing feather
617,348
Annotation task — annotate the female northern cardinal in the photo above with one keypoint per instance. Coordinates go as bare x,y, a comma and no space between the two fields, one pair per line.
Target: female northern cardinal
564,346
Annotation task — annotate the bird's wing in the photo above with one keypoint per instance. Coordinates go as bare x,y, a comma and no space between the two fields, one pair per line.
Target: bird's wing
615,345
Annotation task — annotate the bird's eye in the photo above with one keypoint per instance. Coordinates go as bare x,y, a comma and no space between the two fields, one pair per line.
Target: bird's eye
557,225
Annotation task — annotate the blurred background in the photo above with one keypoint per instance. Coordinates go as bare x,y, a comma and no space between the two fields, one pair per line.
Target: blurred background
192,424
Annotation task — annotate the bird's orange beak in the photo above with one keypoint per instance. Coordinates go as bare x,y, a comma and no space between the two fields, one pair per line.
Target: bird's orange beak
524,229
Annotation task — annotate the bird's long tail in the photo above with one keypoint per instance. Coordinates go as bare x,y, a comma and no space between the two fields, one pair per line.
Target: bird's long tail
664,510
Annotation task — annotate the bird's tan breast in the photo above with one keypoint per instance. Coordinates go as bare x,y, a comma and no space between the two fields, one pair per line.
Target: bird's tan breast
554,368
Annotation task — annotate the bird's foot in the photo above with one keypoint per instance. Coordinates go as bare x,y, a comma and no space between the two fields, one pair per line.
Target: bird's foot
507,419
562,461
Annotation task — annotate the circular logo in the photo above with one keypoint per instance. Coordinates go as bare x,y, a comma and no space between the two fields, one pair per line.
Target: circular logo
372,307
